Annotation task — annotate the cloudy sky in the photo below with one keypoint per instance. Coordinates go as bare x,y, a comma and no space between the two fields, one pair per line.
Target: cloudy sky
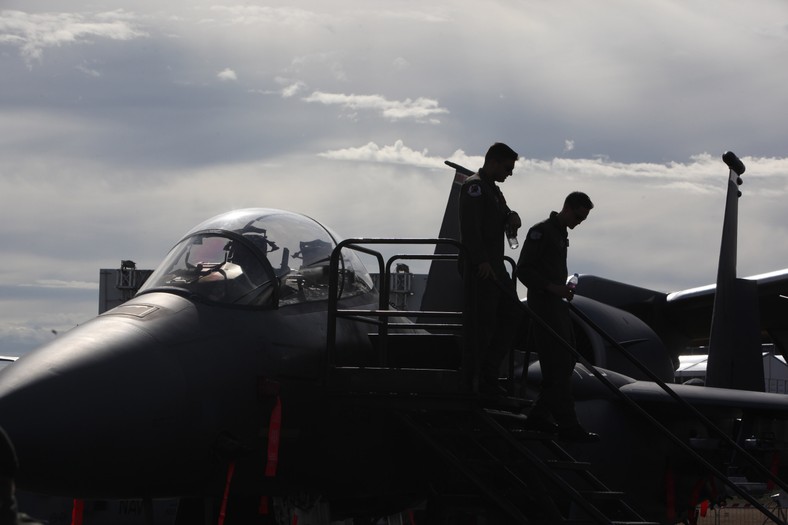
124,124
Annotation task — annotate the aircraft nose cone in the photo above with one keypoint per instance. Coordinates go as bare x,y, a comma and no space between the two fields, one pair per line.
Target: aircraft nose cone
89,405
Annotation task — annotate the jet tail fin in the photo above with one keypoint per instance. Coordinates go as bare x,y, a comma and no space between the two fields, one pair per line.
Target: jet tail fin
443,291
450,227
735,340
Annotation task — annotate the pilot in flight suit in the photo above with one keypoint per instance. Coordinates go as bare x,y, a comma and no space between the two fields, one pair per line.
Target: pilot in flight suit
543,269
491,313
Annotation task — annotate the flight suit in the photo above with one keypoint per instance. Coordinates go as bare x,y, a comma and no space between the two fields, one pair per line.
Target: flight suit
542,262
491,320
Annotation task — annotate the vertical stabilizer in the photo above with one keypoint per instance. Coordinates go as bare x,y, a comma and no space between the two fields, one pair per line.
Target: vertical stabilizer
443,291
734,342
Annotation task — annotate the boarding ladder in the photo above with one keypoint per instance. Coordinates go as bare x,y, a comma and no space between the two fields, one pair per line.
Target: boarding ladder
527,475
419,377
485,441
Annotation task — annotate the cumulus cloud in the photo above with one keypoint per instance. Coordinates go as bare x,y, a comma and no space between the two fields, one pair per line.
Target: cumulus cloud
292,89
289,89
702,173
89,71
32,33
418,109
397,153
227,74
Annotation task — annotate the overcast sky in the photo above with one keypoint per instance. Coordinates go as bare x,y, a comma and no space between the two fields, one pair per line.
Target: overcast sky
124,124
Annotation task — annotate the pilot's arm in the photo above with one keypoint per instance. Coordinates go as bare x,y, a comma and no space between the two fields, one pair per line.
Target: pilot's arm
513,221
532,267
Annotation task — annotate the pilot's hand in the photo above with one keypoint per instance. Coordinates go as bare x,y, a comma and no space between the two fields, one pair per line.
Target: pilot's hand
513,221
485,271
563,291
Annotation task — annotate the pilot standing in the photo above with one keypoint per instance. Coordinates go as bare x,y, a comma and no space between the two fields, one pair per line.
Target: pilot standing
491,321
543,269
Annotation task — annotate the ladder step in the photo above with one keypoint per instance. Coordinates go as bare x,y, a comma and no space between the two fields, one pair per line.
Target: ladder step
532,435
612,522
569,465
492,450
506,415
603,494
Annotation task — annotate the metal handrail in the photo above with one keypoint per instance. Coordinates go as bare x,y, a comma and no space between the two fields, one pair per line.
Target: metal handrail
685,404
382,313
656,423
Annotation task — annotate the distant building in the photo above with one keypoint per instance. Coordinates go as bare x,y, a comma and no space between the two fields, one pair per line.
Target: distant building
117,286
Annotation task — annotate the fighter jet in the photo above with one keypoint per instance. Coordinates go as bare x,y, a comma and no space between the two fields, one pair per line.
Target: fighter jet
243,374
211,385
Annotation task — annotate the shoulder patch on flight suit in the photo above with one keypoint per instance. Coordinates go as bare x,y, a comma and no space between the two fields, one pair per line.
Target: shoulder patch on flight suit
474,189
535,235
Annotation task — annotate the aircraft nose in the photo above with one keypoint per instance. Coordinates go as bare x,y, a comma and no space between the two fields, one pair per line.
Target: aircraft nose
91,404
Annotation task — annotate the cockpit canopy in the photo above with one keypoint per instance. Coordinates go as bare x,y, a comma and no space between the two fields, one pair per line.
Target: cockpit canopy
257,257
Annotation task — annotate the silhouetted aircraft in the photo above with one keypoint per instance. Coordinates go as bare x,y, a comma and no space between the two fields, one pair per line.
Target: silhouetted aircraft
259,370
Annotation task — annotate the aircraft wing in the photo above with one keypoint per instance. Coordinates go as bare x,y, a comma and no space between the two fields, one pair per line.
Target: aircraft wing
691,309
688,312
6,360
705,398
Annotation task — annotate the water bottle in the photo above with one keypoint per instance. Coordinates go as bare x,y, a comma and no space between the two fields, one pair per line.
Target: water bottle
571,283
511,236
